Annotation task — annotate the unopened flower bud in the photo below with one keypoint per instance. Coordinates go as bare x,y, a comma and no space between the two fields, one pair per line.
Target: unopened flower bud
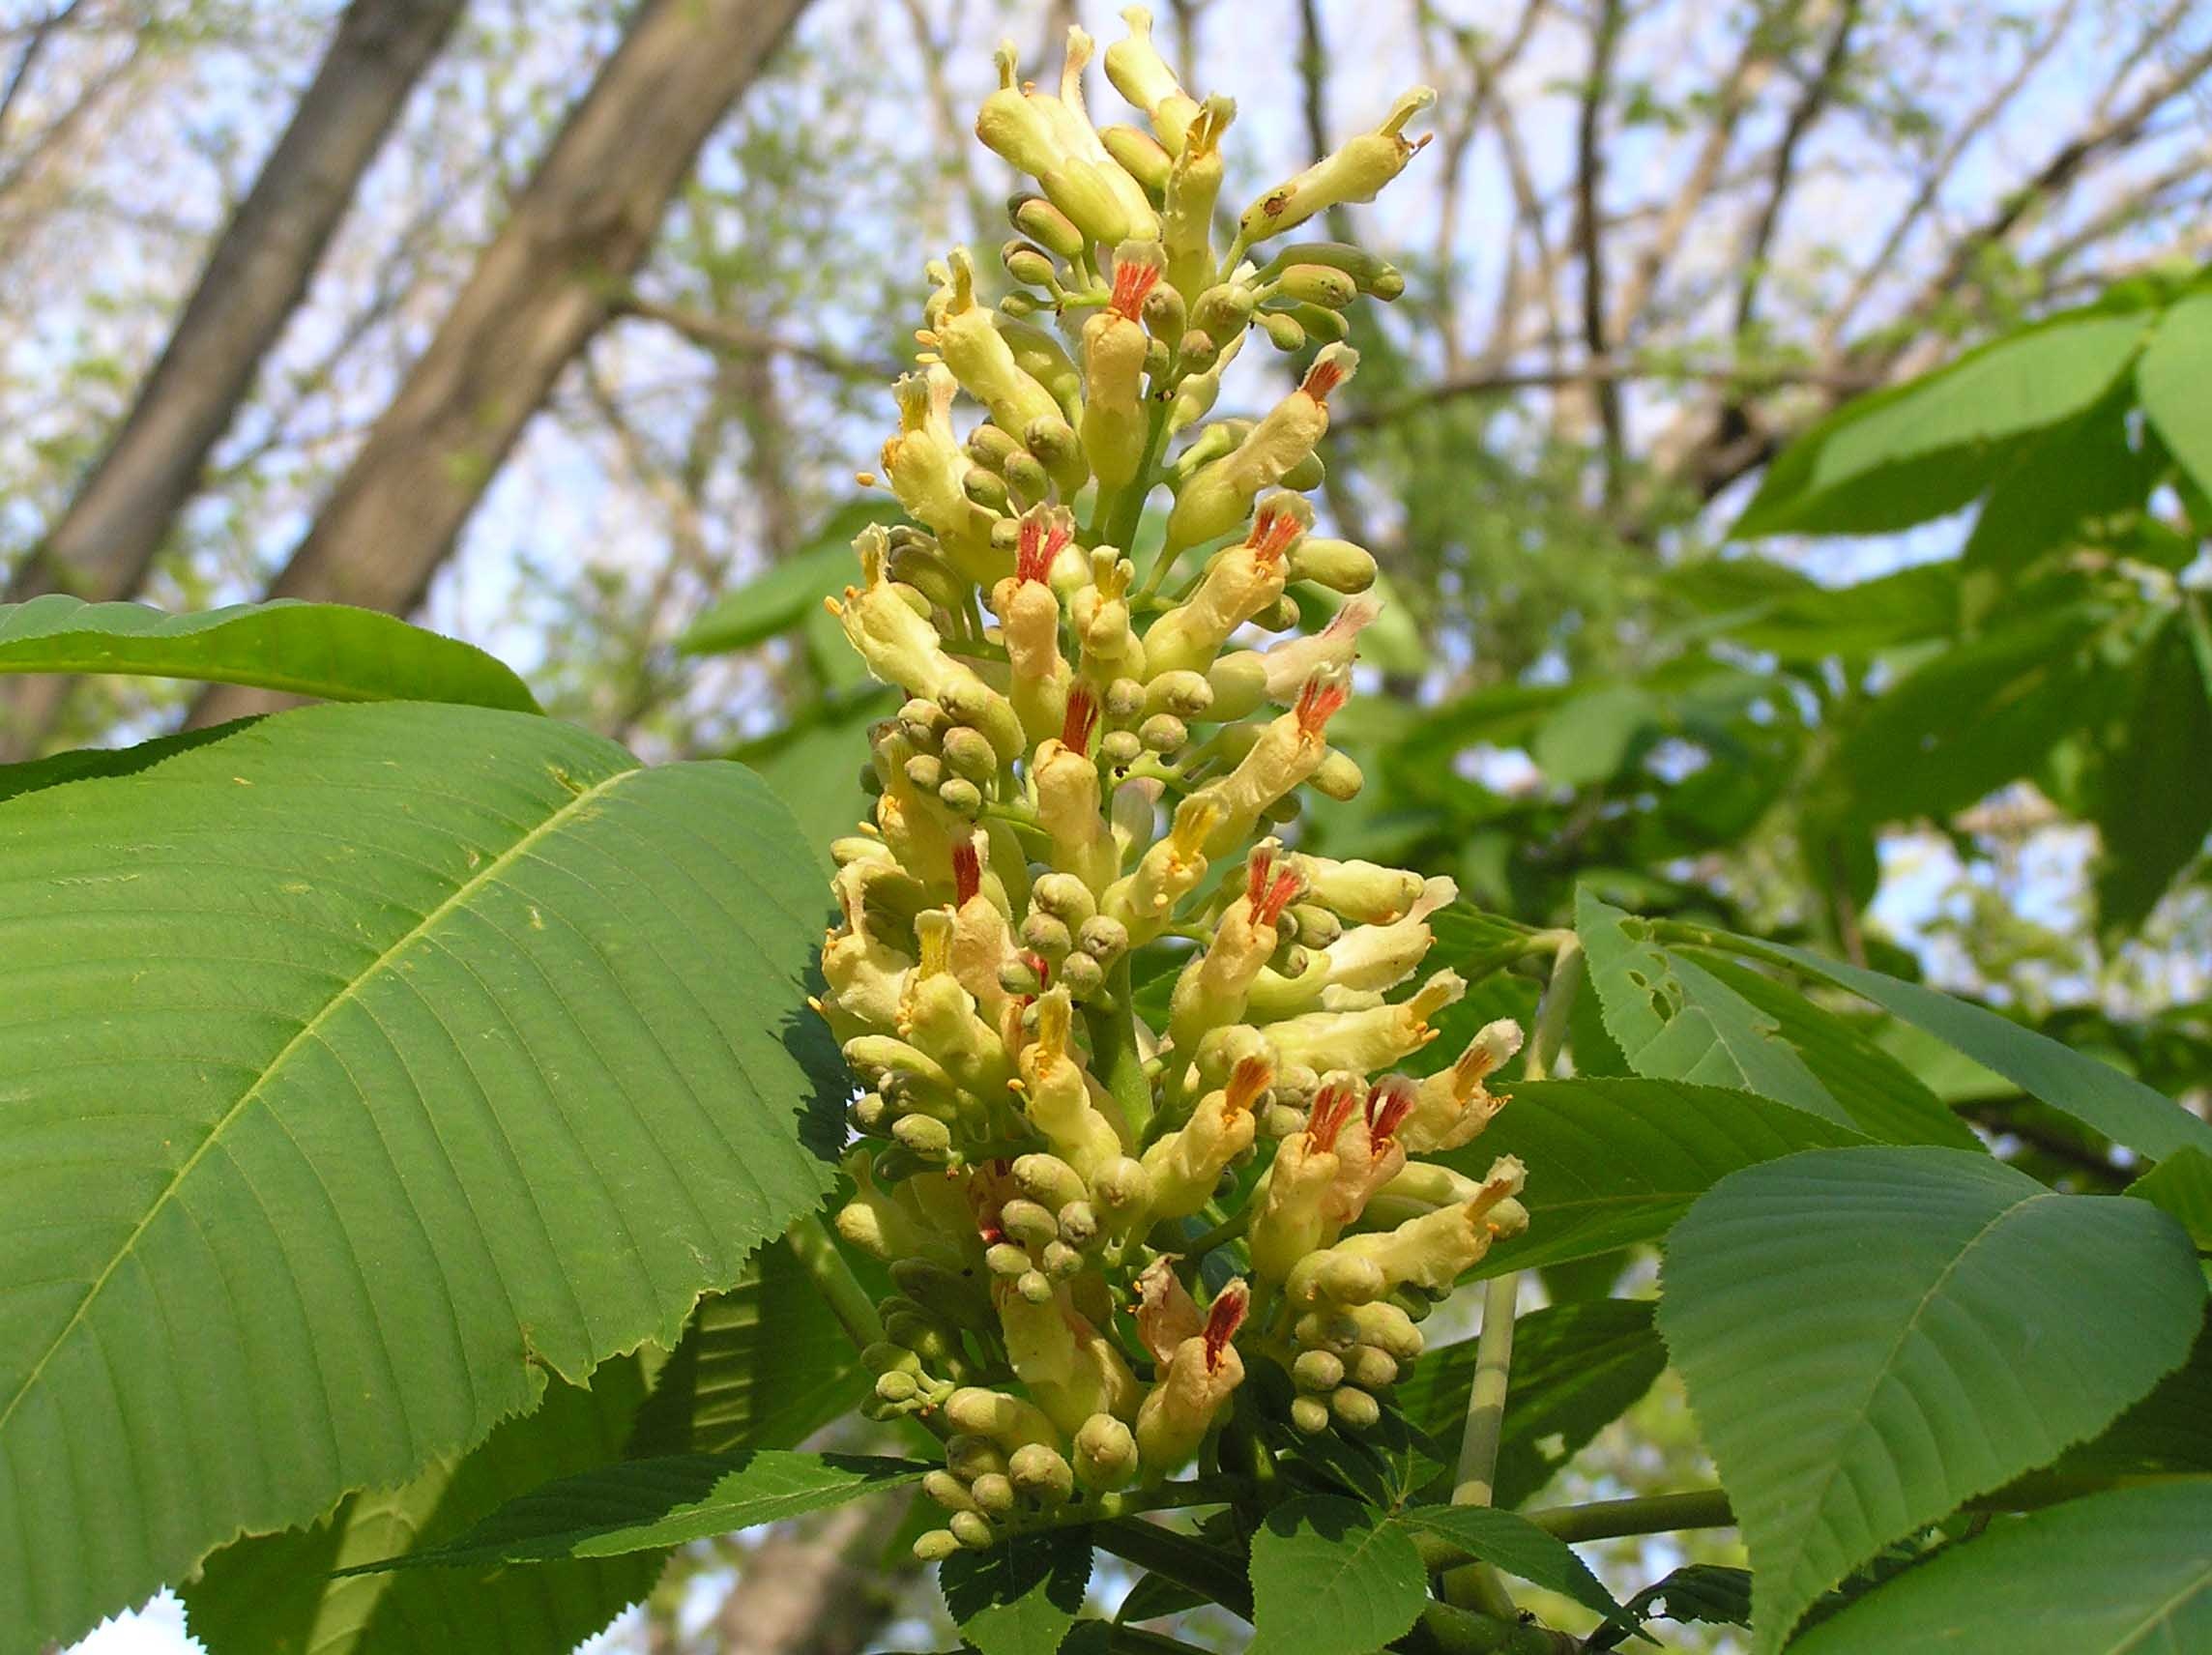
923,722
895,1387
993,1493
935,1546
1354,1406
1338,564
1197,350
1026,476
885,1357
1035,1286
1319,284
1120,1185
1082,975
1165,317
987,490
1045,934
1337,777
1030,265
1027,1222
1048,1180
1041,221
1307,474
969,753
970,1457
1310,1414
924,1135
1140,154
1079,1224
1064,897
1371,1369
1222,310
1283,331
1103,938
1356,171
1163,733
925,770
962,796
1060,1262
1121,748
1105,1453
1006,1259
947,1490
1042,1474
1317,1371
1006,1420
973,1529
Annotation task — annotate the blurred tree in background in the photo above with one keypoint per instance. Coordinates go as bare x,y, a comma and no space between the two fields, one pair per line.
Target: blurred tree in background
564,321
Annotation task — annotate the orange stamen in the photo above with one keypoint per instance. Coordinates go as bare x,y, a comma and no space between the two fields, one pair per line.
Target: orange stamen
1330,1112
1223,1320
1082,720
1317,703
1133,280
1251,1077
1039,544
1272,533
1388,1104
1323,377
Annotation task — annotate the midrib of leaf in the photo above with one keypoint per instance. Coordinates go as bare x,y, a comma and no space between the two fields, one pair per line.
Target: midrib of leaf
1858,1414
2161,1616
461,893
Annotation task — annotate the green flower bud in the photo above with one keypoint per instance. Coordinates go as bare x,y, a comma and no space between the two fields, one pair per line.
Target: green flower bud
927,1137
1104,938
1239,685
1120,1185
895,1387
1121,748
1373,275
1373,1369
1031,266
1035,1286
1064,896
1164,315
1183,692
970,1457
1041,221
1320,324
1054,442
1354,1406
885,1357
1060,1261
925,770
1027,1222
973,1529
1042,1474
1026,477
1310,1415
1105,1453
1317,1371
1223,310
867,1114
1197,351
1338,777
1283,331
994,1493
1082,976
1125,700
1307,475
1016,977
962,796
947,1490
923,722
1338,564
1140,154
1045,934
1079,1224
1319,284
1163,733
968,753
935,1546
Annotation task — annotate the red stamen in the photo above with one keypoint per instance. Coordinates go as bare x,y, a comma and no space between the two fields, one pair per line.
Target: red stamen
1133,280
966,871
1039,544
1271,536
1269,908
1039,964
1082,720
1323,377
1317,703
1331,1111
1251,1077
1255,872
1223,1320
1388,1104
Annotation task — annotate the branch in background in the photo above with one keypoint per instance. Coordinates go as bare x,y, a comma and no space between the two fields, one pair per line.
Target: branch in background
726,335
1589,163
539,291
1811,104
1615,370
106,542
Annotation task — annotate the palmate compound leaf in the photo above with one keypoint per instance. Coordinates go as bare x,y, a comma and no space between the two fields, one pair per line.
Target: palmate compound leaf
645,1505
1872,1336
332,650
272,1594
1332,1577
363,1065
1616,1160
2128,1571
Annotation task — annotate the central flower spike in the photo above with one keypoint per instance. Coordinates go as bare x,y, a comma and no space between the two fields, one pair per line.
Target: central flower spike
1122,1036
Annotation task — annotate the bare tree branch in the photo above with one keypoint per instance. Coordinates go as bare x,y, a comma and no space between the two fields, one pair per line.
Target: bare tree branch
1811,103
1590,164
725,333
539,291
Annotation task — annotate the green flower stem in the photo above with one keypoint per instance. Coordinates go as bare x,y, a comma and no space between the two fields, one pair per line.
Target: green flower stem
1129,504
825,1268
1478,1585
1228,1230
1112,1021
1647,1514
1182,1559
1568,969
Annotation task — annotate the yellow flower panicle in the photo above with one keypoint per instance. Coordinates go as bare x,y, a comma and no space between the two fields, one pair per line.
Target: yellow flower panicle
1094,783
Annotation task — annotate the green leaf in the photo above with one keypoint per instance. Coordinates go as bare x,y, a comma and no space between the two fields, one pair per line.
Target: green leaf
1576,1369
365,1066
1613,1162
1587,740
1973,718
1884,1098
2063,483
1510,1541
764,1365
1872,1336
643,1505
272,1595
1915,451
1712,1594
2182,1184
1674,1020
2123,1573
2155,793
2167,1432
1020,1596
1797,620
2094,1093
788,593
1331,1577
2170,379
326,650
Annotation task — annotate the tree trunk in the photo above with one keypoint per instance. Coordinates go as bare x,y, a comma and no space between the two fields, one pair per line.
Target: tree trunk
106,540
539,291
818,1591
